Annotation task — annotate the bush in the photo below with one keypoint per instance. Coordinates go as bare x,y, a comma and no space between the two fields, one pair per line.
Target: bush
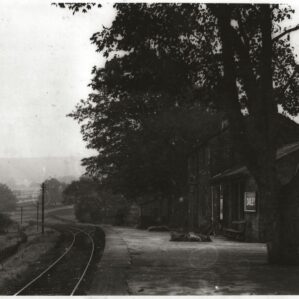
94,203
5,222
87,211
7,199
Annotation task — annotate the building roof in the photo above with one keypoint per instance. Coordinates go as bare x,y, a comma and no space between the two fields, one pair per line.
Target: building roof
243,171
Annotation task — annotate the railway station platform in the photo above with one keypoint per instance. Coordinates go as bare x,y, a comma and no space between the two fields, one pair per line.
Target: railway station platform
138,262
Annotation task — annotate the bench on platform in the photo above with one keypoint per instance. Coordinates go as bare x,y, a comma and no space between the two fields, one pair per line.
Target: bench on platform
238,232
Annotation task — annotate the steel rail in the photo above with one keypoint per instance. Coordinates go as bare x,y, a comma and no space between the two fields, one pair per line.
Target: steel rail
88,263
49,267
56,261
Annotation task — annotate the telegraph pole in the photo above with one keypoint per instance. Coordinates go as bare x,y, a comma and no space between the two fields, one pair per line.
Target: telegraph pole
43,207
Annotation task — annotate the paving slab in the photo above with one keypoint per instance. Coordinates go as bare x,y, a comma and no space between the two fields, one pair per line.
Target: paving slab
147,263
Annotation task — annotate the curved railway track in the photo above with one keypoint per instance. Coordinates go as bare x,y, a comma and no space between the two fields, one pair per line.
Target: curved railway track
34,284
88,263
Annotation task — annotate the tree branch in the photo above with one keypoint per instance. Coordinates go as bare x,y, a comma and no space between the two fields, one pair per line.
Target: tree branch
229,88
276,38
248,77
242,29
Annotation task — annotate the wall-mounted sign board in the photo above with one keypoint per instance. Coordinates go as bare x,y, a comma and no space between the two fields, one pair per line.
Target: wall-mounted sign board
250,201
221,202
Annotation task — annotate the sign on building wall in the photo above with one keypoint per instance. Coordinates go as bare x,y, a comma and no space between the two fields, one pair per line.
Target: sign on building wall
221,203
250,202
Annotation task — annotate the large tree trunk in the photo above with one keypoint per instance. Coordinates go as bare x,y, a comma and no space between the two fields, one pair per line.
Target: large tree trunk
270,221
279,220
289,211
278,209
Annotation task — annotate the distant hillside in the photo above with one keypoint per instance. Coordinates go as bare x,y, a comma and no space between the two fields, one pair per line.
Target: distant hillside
25,171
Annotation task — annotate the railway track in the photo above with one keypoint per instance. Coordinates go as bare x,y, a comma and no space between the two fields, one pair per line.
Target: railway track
46,283
88,263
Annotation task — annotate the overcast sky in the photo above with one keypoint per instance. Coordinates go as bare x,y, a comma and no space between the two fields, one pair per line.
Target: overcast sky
45,66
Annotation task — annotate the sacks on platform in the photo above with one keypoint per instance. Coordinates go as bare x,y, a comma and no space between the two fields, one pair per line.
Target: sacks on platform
189,237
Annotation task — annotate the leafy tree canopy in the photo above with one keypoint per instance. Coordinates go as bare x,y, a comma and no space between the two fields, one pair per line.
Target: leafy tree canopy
92,201
54,189
177,47
76,7
166,60
162,81
78,189
7,199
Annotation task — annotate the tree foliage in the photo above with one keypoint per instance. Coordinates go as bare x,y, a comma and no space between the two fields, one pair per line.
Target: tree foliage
5,222
92,202
164,66
78,189
53,191
167,61
7,199
143,117
176,48
84,194
77,7
268,77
